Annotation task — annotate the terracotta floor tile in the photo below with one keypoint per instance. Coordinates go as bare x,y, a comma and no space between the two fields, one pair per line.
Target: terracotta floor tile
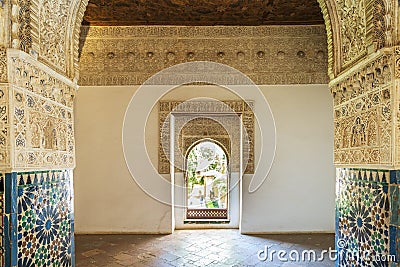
218,248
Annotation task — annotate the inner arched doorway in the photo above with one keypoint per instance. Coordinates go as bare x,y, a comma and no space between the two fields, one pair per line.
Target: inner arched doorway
206,177
207,182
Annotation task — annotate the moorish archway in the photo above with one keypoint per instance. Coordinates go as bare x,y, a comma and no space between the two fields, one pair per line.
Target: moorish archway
39,75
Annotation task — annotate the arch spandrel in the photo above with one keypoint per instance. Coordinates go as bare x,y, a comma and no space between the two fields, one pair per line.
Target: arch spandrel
358,29
49,31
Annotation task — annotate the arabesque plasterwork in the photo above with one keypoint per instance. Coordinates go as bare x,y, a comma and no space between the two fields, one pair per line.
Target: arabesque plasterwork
236,112
220,128
382,23
363,112
353,29
52,31
48,30
5,144
3,64
4,24
267,54
41,113
356,29
396,104
330,34
43,133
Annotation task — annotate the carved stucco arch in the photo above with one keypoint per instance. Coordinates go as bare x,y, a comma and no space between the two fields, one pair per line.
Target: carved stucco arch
370,24
328,9
49,31
78,12
30,28
222,139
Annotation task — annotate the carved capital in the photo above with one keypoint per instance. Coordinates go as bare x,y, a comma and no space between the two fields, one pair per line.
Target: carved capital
41,102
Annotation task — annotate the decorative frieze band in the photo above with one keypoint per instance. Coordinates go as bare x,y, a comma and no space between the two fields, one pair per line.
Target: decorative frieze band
27,73
267,54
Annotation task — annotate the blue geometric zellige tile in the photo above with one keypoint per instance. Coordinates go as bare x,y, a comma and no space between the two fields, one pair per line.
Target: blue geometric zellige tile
398,246
44,220
393,240
363,212
394,204
385,177
395,177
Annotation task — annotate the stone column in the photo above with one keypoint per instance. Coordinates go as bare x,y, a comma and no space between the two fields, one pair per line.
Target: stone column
37,160
366,113
364,70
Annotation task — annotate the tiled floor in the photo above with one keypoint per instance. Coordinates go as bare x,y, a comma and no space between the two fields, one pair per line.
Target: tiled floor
197,248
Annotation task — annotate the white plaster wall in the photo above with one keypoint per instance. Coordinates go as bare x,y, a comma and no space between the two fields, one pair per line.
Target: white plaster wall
107,198
298,195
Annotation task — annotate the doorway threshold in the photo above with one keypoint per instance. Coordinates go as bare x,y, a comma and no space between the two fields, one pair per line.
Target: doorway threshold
206,221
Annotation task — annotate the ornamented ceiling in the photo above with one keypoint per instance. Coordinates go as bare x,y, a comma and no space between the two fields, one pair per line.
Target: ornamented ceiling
202,12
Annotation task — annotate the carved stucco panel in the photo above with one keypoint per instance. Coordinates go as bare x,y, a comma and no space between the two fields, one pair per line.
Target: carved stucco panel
397,104
268,55
41,113
193,132
78,12
53,21
397,124
28,74
353,29
397,62
43,132
49,30
23,26
363,130
4,23
3,64
4,128
363,114
331,34
383,23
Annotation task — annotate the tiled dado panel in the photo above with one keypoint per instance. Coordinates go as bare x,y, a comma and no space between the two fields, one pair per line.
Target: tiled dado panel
40,219
367,217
